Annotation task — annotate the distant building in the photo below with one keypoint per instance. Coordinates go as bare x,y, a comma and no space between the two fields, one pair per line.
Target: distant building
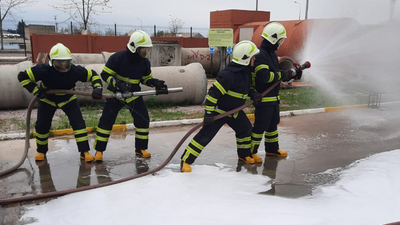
39,29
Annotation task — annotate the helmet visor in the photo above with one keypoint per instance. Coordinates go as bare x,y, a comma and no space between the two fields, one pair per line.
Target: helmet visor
144,52
62,65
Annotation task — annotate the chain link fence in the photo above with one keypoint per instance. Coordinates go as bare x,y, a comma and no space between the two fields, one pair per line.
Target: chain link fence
68,27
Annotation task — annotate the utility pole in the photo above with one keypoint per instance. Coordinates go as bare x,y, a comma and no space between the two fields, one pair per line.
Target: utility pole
55,19
140,23
299,8
256,5
306,9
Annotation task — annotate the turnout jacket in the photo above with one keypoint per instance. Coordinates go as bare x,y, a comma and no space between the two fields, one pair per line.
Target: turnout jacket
127,67
53,79
266,71
230,89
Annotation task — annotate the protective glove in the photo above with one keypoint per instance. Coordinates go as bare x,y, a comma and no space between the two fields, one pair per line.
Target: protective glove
41,93
122,86
208,118
161,87
255,96
97,93
287,75
299,71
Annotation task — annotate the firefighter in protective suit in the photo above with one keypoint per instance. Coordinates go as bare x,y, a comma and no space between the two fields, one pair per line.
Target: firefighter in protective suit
123,72
60,74
229,91
266,71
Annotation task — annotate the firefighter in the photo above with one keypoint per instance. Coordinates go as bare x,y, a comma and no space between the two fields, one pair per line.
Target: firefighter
229,91
59,73
123,72
266,71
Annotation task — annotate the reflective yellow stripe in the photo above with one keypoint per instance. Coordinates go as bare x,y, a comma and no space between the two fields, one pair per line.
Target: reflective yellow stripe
42,135
102,131
210,108
271,133
220,88
195,143
193,152
89,75
144,137
271,99
146,78
243,139
271,77
260,67
142,129
256,135
220,111
267,140
81,131
42,142
82,139
25,82
103,139
109,71
61,104
130,99
212,99
236,95
48,102
30,74
244,146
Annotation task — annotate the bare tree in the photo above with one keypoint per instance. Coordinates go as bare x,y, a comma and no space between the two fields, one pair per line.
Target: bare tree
82,11
6,8
175,24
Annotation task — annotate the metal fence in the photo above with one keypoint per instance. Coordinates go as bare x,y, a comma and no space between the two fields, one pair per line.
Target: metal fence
109,29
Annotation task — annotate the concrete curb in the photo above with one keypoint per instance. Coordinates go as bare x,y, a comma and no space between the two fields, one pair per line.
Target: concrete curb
168,123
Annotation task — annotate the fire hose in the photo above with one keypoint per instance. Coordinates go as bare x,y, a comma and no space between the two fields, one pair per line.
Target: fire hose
169,158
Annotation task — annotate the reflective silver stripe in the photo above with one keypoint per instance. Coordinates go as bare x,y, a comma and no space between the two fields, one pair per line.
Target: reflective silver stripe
236,95
271,99
109,71
268,140
30,74
271,133
102,131
212,99
219,87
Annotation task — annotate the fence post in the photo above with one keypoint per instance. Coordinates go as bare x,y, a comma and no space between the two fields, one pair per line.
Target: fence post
115,29
72,31
155,33
23,35
191,32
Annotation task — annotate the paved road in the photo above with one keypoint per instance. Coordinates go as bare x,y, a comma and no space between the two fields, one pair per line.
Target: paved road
315,142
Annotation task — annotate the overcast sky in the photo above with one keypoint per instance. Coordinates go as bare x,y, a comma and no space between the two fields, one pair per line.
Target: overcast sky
197,13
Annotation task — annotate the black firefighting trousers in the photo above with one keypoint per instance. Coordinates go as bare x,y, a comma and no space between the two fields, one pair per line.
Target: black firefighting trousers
45,115
239,123
111,109
266,120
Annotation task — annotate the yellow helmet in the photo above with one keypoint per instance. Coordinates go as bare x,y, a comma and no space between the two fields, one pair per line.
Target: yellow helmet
243,52
274,32
60,57
139,39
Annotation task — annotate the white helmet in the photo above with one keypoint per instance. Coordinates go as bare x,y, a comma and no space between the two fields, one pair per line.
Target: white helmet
274,32
243,52
60,57
139,39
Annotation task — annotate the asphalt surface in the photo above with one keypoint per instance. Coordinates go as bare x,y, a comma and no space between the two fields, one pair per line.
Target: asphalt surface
315,142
